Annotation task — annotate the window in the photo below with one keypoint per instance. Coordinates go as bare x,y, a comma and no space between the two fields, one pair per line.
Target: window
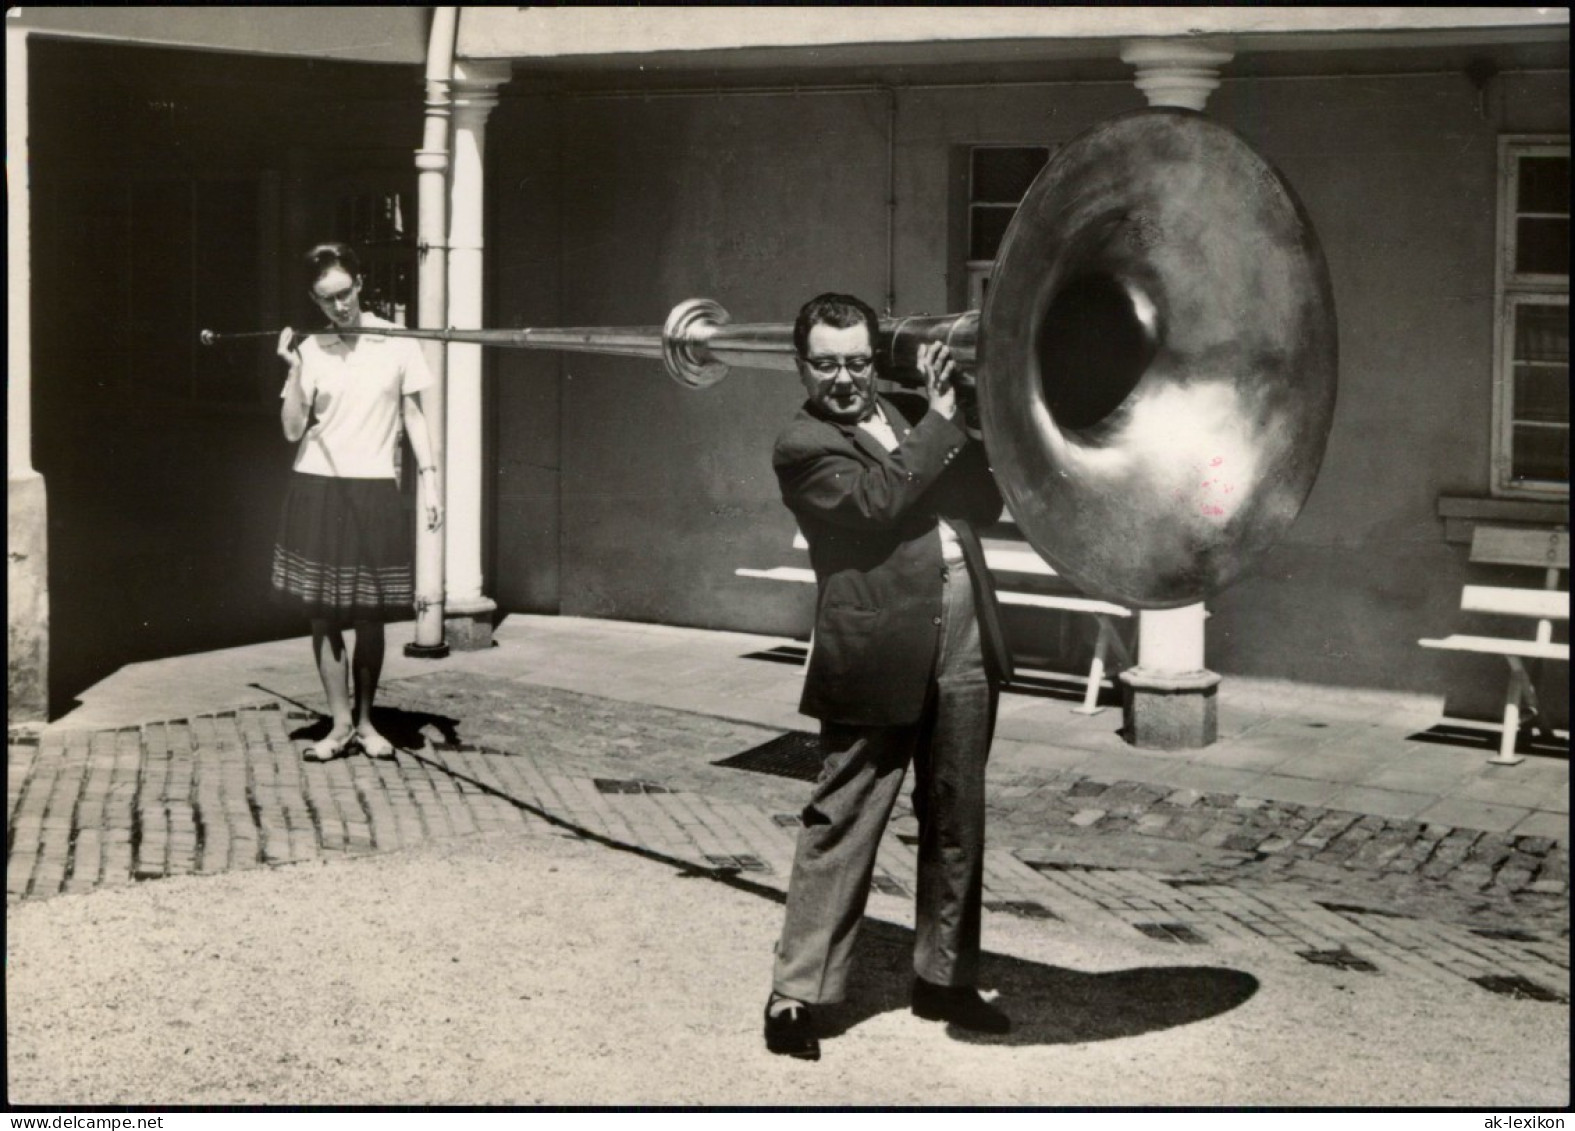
998,177
1531,400
379,226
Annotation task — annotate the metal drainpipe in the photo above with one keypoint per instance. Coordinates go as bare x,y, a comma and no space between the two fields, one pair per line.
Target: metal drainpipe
432,163
891,203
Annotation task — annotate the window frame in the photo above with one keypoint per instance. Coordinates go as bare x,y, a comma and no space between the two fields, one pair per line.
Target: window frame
1511,291
979,271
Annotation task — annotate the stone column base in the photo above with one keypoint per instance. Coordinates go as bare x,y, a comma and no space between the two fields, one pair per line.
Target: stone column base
27,586
1170,710
427,651
467,625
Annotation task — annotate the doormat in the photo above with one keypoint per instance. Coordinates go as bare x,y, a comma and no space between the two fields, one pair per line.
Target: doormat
795,754
1023,908
1341,958
1518,987
1171,932
1508,934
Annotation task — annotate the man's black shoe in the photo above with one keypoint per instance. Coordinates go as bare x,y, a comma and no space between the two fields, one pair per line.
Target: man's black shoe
791,1032
960,1006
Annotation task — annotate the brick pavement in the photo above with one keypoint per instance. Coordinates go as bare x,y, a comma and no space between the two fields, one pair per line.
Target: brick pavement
1052,814
229,790
1396,862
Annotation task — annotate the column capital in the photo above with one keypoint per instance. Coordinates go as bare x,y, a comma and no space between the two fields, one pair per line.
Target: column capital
1177,72
476,82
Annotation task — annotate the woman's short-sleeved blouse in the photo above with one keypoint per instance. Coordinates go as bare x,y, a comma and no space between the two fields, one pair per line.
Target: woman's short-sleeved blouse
354,385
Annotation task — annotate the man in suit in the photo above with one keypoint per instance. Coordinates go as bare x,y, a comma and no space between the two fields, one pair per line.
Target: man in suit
906,665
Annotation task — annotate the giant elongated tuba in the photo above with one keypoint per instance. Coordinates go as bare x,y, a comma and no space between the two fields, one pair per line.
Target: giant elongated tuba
1155,362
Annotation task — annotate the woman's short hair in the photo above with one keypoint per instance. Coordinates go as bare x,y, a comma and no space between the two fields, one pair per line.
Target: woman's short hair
326,256
839,311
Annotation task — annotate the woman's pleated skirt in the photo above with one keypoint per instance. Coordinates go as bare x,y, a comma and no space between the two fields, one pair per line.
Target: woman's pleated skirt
343,550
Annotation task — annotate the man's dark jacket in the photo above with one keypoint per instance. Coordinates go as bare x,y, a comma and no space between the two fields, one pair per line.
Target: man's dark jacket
869,517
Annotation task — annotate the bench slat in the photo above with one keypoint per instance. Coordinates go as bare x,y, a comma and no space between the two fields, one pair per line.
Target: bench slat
779,573
1006,597
1001,555
1508,545
1492,645
1004,556
1004,559
1052,601
1541,603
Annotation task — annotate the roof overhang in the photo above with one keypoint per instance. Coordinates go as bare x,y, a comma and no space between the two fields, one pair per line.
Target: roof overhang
586,48
362,35
590,47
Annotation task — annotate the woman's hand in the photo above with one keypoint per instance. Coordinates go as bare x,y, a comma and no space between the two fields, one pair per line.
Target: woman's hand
431,498
288,348
294,401
938,369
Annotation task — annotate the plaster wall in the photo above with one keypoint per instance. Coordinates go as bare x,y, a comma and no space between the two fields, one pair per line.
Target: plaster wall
392,34
524,390
762,200
1399,174
664,490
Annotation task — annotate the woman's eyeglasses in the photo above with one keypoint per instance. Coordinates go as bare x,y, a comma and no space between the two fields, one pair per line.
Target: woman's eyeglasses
828,366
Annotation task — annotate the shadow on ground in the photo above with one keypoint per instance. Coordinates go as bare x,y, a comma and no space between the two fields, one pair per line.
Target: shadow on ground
405,729
1467,737
1049,1005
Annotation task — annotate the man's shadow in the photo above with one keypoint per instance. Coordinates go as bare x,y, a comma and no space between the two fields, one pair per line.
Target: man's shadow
1048,1005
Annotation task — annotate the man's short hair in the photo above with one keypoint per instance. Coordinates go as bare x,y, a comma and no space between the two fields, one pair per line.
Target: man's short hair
839,311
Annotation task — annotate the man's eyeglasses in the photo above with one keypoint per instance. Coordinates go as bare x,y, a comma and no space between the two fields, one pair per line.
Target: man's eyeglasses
828,366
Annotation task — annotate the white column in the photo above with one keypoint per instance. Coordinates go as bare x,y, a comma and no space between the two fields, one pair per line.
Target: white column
27,573
432,161
1170,695
1171,640
19,401
467,612
1173,72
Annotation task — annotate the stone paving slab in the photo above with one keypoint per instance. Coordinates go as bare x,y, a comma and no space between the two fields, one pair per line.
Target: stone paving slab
229,790
479,701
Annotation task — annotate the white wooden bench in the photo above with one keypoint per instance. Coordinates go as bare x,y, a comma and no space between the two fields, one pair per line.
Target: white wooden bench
1510,546
1025,579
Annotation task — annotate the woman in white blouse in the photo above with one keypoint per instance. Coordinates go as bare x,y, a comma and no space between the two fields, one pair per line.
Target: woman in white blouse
343,553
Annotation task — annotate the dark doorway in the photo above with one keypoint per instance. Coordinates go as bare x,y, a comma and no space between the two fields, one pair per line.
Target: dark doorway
172,191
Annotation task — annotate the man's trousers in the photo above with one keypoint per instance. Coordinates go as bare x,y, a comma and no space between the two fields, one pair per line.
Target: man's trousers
859,783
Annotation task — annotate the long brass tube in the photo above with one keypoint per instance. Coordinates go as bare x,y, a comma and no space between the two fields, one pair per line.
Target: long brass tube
698,343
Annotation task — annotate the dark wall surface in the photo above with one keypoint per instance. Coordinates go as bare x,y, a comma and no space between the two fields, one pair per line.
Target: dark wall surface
173,191
760,200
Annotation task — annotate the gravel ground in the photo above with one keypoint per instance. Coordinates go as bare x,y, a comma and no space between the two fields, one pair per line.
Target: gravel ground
540,969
